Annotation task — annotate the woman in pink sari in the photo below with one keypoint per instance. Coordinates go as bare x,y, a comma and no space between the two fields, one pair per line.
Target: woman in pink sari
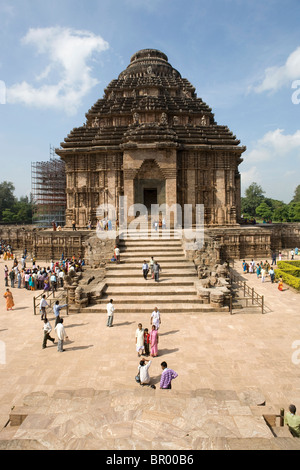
154,341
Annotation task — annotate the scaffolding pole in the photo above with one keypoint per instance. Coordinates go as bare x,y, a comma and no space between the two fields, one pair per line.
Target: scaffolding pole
48,186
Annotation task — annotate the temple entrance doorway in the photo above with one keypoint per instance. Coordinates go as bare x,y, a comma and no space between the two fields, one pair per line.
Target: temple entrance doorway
150,197
149,185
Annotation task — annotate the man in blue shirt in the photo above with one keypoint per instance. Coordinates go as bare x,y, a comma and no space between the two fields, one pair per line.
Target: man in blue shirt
56,309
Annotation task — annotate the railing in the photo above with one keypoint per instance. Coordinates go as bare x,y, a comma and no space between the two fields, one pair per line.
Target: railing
249,293
50,300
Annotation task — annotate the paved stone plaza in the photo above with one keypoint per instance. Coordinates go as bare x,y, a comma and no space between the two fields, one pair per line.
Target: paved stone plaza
87,397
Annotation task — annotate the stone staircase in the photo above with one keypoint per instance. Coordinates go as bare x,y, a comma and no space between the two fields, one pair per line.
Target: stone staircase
140,419
175,292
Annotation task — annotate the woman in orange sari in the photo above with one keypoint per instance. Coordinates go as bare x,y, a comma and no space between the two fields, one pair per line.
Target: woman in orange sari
9,300
280,284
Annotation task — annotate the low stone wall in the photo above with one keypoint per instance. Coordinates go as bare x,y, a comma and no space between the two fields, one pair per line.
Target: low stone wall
228,242
46,244
225,244
285,236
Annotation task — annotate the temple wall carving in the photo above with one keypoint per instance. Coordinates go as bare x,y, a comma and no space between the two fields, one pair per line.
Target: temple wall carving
234,242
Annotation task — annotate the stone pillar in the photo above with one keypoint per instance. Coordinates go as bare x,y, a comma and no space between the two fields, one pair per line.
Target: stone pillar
129,189
171,197
220,197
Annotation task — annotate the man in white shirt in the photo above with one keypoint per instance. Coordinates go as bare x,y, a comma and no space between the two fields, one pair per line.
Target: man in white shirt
110,313
117,254
139,340
61,335
43,305
144,373
61,276
47,330
53,282
145,269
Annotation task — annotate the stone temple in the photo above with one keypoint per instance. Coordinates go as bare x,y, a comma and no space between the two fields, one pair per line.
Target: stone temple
151,138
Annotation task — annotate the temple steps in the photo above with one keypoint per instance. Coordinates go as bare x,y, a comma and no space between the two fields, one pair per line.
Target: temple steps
175,291
171,307
170,273
139,281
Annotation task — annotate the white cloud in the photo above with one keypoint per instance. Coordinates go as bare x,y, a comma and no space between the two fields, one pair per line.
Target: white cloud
250,176
67,78
278,76
274,144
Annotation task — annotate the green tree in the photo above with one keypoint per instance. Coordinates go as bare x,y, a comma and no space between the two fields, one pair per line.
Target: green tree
8,216
264,211
296,197
7,198
294,211
254,196
281,213
13,210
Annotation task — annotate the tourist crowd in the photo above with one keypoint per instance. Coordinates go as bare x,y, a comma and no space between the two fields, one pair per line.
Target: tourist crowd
45,278
264,268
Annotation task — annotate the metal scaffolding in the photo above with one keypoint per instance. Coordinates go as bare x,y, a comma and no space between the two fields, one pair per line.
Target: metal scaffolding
48,186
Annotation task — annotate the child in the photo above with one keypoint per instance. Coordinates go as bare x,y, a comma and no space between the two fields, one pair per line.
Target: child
146,342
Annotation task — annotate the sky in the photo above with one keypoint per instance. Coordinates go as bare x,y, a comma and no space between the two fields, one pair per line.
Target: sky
242,56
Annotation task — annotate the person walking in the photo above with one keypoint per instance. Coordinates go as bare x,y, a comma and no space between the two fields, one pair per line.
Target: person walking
258,270
43,306
117,254
155,318
61,335
154,341
110,313
151,264
251,266
272,274
167,376
9,300
47,330
156,270
139,340
145,270
263,275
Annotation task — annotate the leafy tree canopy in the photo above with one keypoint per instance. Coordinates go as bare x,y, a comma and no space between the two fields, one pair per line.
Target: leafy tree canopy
12,210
